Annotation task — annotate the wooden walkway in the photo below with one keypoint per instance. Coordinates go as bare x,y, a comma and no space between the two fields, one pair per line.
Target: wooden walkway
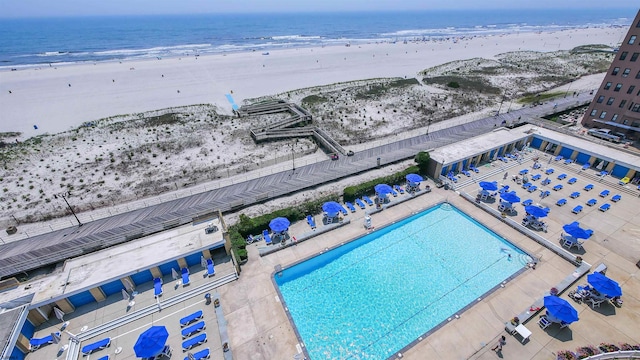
54,247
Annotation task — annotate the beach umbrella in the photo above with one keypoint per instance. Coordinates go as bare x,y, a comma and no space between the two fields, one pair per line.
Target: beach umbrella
414,178
151,342
604,285
489,186
560,309
383,189
576,231
535,211
128,285
59,313
279,224
174,274
190,356
125,295
203,262
510,197
332,208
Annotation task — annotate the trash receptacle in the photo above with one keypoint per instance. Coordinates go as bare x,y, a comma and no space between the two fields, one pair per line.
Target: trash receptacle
378,162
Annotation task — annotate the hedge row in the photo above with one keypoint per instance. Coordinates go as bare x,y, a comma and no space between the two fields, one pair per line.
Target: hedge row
352,192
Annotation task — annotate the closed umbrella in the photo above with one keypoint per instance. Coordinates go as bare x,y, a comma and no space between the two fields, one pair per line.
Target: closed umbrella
560,309
414,178
332,208
279,224
383,189
489,186
510,197
151,342
535,211
604,285
576,231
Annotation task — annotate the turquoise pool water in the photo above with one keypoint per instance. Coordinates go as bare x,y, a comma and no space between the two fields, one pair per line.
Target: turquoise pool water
375,295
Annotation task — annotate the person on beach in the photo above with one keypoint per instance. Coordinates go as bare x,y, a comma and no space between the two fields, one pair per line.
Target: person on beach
501,343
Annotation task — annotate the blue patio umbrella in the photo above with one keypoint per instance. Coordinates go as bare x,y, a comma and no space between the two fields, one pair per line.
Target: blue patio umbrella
510,197
332,208
151,342
560,309
489,186
383,189
576,231
279,224
604,285
414,178
535,211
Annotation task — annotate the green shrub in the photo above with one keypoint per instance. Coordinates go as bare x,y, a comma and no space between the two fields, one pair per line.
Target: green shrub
352,192
453,84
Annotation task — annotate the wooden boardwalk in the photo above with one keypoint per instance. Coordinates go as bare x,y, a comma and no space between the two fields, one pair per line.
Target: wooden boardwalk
56,246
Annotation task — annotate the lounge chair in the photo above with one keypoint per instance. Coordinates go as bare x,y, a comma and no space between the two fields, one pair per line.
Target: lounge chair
536,177
624,181
157,287
562,176
549,171
191,318
559,157
367,200
546,181
526,186
586,166
604,173
596,301
474,168
577,209
344,211
592,202
202,354
266,237
572,181
106,357
194,341
589,187
465,172
544,322
616,197
545,193
398,189
193,329
604,193
311,222
211,270
503,159
561,202
557,187
532,188
568,161
527,202
394,192
98,345
360,204
36,343
605,207
575,194
185,276
350,207
523,171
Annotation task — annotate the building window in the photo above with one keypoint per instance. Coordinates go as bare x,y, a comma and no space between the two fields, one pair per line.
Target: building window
615,71
594,112
600,99
603,114
611,100
632,40
607,86
631,88
614,117
634,57
622,103
626,72
636,108
625,122
638,75
618,87
623,55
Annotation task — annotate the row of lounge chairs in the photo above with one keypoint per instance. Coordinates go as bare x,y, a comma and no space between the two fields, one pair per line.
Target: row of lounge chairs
193,331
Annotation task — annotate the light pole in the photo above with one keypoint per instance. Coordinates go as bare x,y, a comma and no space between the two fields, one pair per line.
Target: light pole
62,195
428,125
500,108
293,158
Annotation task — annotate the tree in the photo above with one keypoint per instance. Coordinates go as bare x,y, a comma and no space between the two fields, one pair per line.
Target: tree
422,159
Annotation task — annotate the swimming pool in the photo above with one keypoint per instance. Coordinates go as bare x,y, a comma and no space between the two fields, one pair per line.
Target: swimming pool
371,297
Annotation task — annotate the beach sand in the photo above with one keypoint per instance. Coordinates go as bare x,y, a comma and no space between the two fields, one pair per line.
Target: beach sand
62,97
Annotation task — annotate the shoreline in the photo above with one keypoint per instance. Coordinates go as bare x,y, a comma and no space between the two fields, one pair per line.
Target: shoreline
60,98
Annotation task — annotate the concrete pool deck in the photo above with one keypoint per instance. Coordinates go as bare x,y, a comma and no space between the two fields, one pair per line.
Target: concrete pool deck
260,329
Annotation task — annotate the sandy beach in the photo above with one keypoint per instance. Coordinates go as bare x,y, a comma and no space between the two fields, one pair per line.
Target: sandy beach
59,98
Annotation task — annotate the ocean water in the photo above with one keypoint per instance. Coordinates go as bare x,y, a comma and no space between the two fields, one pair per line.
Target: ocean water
81,39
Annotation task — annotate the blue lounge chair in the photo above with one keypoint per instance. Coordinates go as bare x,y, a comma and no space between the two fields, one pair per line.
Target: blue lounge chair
465,172
266,237
536,177
575,194
592,202
311,222
605,207
561,202
344,211
586,166
527,202
394,192
536,165
157,287
98,345
557,187
200,355
559,157
604,193
398,189
367,200
562,176
549,171
572,181
589,187
568,161
350,206
193,329
526,186
577,209
36,343
360,204
616,197
503,159
474,168
532,188
545,193
191,318
185,276
546,181
524,171
211,270
604,173
106,357
194,341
